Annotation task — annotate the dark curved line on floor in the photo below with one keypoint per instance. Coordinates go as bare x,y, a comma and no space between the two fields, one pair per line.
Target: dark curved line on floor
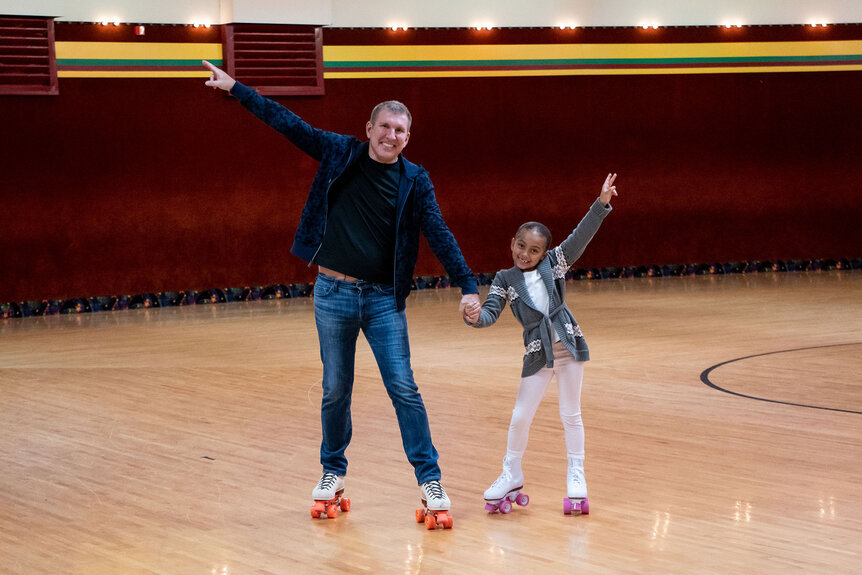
704,377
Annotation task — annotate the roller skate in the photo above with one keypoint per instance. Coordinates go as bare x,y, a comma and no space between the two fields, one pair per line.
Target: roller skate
327,497
576,489
506,489
435,506
504,504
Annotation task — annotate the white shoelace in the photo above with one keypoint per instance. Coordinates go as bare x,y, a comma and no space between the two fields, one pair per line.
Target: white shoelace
504,477
575,477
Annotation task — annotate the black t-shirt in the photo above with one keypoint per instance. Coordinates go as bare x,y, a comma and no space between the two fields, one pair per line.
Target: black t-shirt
360,225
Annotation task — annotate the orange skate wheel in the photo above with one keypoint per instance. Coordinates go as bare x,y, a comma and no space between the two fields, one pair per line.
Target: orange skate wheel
317,509
420,515
430,521
332,511
447,522
345,505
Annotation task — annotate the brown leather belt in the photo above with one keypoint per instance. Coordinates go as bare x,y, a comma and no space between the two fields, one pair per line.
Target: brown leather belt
336,275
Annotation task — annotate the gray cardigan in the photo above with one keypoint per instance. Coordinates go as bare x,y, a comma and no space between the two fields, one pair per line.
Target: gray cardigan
509,286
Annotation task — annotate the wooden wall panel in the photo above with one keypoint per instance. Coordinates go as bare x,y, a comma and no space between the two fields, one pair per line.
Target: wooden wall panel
134,185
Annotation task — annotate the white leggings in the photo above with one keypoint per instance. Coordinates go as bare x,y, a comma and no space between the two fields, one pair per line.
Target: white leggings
570,376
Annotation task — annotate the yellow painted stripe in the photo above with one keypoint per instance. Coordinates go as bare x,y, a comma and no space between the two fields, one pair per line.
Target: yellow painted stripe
476,73
131,74
586,72
578,51
184,51
137,50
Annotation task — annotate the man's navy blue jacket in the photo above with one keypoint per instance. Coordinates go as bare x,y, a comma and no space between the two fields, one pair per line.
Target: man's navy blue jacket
416,211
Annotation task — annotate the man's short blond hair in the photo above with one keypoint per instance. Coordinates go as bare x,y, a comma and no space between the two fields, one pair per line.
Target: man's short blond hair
394,107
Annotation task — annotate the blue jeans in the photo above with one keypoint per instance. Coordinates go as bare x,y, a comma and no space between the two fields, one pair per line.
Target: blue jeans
341,310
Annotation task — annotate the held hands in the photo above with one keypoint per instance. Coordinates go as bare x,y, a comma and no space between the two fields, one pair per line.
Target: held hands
218,78
470,307
608,189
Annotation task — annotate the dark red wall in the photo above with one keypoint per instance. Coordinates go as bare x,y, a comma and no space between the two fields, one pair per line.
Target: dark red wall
121,186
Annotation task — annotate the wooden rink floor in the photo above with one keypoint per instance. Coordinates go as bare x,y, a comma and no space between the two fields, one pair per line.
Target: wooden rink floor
186,440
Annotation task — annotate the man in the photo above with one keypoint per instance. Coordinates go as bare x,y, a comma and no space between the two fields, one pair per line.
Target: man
360,226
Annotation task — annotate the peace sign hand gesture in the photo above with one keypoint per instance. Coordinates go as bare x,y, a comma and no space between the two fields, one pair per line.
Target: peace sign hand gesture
608,189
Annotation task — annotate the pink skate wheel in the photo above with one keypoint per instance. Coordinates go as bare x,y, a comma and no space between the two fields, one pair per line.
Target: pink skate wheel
585,507
522,499
505,507
490,507
567,506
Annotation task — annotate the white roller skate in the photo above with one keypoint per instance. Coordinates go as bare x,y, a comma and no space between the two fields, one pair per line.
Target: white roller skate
506,489
435,506
327,496
576,488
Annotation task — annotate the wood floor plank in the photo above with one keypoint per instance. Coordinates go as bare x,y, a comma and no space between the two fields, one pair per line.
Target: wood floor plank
186,440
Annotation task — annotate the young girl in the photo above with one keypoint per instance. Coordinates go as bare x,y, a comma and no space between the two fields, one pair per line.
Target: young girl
536,290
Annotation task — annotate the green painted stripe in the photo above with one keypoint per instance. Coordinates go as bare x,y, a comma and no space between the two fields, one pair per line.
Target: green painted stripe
587,61
125,62
486,63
